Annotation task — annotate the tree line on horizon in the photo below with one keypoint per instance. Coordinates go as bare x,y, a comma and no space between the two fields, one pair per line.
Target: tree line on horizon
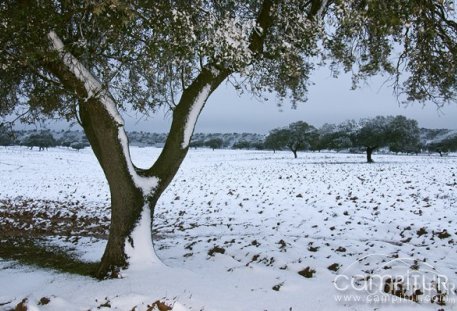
398,134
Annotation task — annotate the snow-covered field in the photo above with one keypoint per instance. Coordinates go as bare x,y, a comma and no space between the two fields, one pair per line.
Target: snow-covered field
235,228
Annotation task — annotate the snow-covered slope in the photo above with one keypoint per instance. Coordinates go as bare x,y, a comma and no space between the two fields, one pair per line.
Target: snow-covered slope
235,228
431,136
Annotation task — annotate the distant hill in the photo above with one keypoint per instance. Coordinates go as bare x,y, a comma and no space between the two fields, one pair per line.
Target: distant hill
429,136
440,140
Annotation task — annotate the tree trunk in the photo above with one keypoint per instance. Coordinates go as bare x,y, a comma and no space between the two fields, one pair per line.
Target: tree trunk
295,153
369,154
135,192
127,201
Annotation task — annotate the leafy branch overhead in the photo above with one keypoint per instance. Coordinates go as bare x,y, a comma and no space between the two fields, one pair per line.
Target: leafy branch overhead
147,52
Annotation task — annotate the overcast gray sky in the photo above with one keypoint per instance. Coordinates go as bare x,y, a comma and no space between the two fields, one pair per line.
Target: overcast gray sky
330,100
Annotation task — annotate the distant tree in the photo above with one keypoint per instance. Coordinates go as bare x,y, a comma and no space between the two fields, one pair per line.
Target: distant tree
448,144
403,135
196,144
373,133
398,133
214,143
258,145
337,137
42,140
242,144
6,136
301,136
78,145
348,133
70,137
325,137
277,139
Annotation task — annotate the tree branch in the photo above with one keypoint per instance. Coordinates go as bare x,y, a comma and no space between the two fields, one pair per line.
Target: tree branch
264,22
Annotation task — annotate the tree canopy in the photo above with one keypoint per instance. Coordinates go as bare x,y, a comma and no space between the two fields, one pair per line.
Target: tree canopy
147,52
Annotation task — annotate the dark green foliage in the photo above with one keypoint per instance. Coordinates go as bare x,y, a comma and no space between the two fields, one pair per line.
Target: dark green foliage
215,143
6,136
301,136
398,133
404,135
42,140
277,139
297,136
78,146
70,137
446,145
439,140
242,144
373,133
196,144
146,52
337,137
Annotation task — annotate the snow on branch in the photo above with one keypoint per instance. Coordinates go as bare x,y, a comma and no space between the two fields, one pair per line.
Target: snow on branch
194,112
95,89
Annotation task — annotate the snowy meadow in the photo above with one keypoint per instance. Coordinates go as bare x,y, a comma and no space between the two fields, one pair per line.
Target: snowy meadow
242,230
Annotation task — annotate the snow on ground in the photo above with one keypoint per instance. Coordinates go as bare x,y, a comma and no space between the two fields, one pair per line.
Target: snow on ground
235,228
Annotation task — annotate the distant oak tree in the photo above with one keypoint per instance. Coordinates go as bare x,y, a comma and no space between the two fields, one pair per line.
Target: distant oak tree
89,60
398,133
373,134
404,135
277,139
301,136
214,143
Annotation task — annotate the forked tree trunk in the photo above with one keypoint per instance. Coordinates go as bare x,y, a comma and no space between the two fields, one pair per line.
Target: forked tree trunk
129,199
135,192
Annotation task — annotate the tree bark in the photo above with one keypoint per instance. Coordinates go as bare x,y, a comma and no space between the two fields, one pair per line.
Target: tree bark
369,154
295,154
127,201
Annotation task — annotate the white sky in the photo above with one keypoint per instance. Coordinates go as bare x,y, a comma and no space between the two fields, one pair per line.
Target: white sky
330,100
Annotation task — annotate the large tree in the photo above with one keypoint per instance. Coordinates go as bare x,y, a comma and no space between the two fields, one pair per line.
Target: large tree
336,137
301,136
404,135
297,136
87,60
277,139
398,133
373,134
